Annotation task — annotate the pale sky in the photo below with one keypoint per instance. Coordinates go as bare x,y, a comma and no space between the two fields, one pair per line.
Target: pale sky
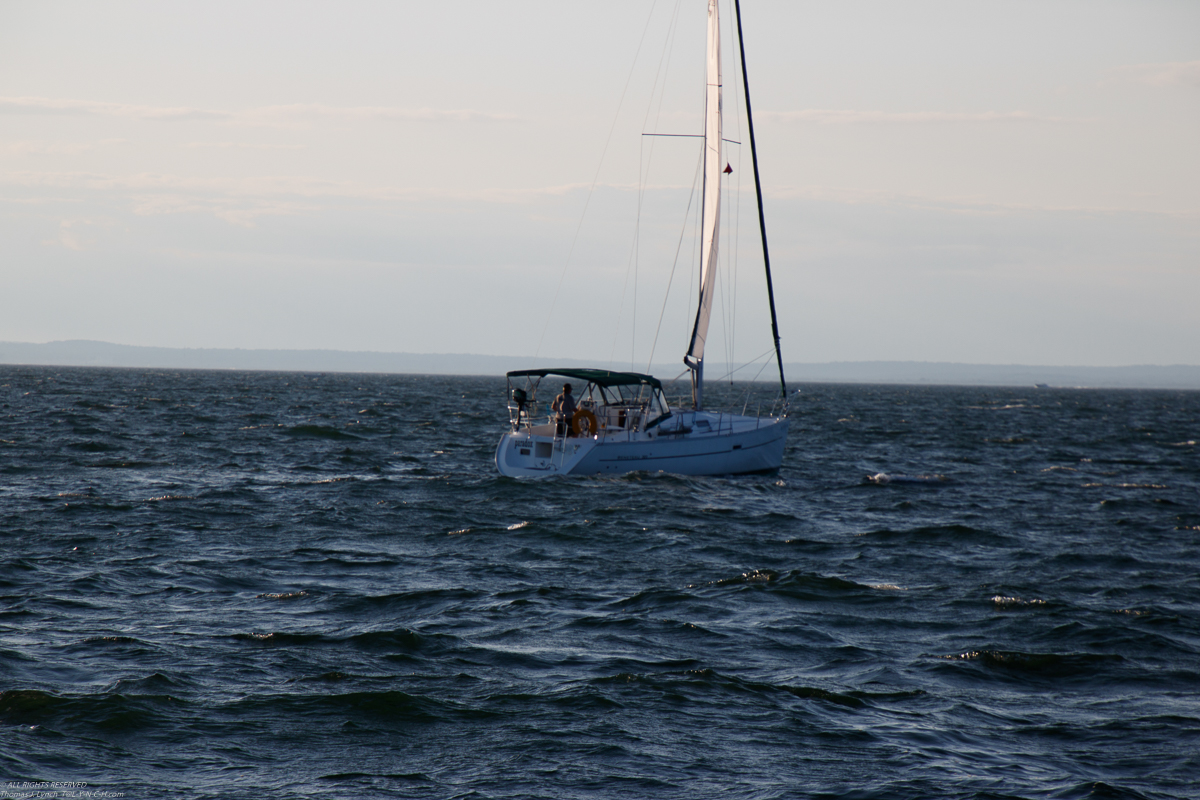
985,182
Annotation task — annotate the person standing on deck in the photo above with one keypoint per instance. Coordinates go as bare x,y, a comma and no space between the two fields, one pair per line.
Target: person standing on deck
564,409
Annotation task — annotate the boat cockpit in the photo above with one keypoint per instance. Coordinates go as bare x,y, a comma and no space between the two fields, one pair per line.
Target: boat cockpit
609,403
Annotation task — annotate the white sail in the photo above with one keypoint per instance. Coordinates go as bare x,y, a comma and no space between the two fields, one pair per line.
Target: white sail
712,198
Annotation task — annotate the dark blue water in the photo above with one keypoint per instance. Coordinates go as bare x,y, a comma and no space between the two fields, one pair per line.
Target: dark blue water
221,584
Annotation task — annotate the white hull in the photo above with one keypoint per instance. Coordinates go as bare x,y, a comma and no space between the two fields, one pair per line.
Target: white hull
699,443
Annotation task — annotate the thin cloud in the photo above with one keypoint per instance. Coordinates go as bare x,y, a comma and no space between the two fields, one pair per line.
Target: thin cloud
269,186
151,181
236,211
1171,73
47,105
265,115
55,148
824,116
46,148
72,233
243,146
313,111
975,206
238,201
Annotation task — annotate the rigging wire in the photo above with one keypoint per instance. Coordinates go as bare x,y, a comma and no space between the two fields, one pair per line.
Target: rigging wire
721,287
698,232
678,246
668,50
766,364
630,264
762,223
751,362
737,215
595,178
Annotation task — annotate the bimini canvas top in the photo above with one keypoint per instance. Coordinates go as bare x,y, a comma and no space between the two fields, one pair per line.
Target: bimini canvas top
600,377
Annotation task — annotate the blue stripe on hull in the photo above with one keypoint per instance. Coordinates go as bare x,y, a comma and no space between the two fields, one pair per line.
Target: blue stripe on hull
760,450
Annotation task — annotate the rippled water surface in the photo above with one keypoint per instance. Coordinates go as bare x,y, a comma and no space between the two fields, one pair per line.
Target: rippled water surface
222,584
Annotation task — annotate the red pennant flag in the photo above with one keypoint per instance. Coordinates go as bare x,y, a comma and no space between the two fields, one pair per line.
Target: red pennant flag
728,169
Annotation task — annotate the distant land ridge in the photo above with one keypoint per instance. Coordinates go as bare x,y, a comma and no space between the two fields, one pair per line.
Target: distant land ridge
84,353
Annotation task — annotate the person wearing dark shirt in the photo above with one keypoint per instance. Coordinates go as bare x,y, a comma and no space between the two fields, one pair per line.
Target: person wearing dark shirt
564,410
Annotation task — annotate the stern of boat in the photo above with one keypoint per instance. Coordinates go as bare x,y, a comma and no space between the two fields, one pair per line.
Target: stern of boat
522,454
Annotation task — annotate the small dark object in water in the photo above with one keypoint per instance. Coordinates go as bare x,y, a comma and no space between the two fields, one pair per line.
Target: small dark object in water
882,478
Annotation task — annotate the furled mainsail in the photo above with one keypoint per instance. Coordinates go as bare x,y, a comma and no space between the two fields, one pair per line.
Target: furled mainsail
712,197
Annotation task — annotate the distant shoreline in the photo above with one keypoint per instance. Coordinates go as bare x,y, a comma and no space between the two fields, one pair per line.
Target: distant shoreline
83,353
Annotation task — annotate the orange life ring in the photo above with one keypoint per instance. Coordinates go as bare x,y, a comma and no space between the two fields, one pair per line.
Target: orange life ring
582,414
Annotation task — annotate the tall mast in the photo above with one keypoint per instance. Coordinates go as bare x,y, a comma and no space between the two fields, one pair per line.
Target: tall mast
762,221
711,205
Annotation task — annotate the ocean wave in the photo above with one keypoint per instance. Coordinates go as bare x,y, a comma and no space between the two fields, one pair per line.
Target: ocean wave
318,432
107,713
1051,665
935,533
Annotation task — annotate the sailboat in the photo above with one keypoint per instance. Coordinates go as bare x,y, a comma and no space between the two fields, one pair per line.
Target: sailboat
622,420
